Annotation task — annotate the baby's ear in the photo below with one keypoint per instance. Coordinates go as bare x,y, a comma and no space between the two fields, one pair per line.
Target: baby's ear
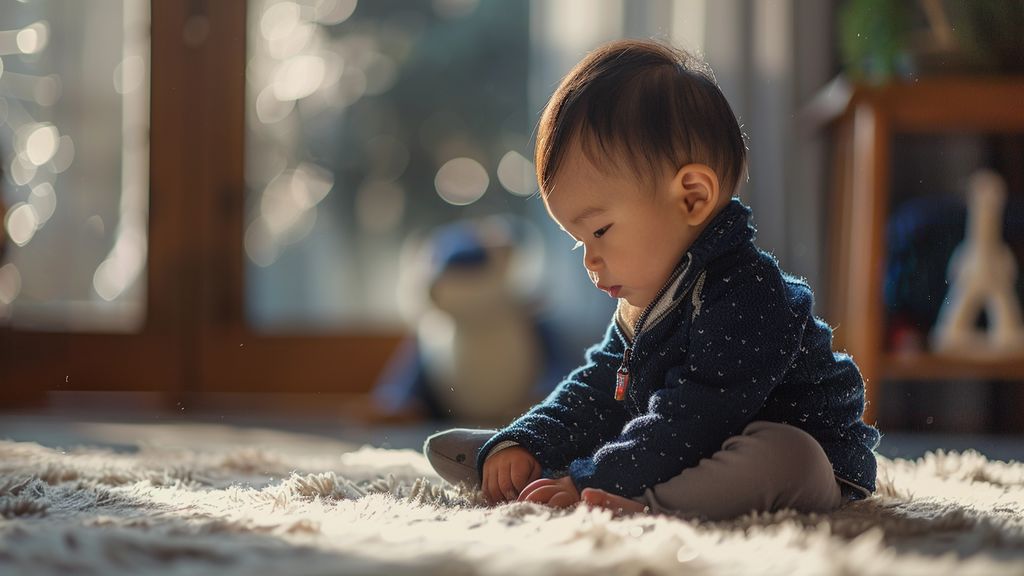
695,188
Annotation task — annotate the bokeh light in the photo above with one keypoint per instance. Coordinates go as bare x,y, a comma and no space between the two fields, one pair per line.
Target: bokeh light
332,12
107,280
22,223
287,211
28,41
22,171
10,283
279,208
123,265
41,143
129,75
269,109
298,77
516,174
34,38
65,155
461,181
310,184
43,200
349,89
299,37
279,20
96,226
260,246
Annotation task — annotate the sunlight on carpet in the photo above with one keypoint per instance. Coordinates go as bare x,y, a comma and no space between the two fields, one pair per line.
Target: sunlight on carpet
319,507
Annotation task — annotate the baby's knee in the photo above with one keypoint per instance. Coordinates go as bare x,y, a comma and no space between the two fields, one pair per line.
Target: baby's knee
798,468
798,447
805,454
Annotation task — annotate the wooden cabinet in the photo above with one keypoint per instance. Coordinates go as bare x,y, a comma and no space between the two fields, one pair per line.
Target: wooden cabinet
864,120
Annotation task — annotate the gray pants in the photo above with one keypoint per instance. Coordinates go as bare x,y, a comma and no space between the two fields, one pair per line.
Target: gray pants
770,466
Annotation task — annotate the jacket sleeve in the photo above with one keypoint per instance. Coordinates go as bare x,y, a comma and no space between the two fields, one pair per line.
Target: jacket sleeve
579,415
742,342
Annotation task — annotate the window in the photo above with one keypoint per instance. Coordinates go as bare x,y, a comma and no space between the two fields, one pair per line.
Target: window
74,122
369,124
247,238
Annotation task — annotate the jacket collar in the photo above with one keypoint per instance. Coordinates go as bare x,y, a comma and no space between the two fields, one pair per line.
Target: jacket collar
729,229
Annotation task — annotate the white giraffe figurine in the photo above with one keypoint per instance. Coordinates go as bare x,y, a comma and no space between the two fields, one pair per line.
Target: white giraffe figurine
982,273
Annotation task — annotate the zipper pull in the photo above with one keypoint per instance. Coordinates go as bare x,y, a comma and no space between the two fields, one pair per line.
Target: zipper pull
622,377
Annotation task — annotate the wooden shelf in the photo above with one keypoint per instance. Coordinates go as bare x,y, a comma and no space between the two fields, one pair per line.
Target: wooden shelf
959,103
864,121
936,367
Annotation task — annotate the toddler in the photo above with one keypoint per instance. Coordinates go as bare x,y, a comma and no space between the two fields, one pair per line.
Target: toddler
715,390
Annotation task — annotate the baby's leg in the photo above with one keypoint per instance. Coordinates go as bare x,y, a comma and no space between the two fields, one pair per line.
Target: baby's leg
768,467
453,452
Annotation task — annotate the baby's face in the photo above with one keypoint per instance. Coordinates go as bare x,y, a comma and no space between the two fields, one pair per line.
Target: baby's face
631,239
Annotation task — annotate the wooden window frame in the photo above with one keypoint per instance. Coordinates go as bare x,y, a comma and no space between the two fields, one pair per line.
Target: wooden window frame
195,342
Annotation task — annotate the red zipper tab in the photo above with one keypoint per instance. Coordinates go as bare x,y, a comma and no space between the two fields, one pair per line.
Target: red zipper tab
622,378
621,383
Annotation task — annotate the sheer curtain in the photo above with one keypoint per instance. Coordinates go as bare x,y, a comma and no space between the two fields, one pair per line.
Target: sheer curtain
770,58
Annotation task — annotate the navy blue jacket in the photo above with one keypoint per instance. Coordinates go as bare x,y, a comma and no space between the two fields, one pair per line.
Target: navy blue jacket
731,339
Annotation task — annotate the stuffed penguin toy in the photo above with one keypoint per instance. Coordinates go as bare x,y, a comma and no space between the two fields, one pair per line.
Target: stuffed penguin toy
480,354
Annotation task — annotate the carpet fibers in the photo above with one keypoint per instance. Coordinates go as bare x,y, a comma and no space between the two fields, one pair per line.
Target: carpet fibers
260,504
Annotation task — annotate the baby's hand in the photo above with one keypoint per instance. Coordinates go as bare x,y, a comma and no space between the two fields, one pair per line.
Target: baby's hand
507,473
559,493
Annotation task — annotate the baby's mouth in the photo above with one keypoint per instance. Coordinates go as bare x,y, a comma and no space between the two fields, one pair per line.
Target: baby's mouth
612,291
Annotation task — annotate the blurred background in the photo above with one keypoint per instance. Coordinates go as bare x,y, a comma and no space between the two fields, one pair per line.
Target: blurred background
326,209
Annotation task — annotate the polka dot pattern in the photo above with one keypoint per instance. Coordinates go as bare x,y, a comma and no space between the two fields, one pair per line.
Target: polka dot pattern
746,346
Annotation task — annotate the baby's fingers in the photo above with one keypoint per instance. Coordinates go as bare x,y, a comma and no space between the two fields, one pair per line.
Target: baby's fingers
485,484
523,473
505,486
491,484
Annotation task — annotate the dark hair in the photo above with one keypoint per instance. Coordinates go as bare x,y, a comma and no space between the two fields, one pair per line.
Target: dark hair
648,103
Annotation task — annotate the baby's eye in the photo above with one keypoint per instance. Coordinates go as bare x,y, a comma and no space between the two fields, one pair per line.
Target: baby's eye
578,244
601,232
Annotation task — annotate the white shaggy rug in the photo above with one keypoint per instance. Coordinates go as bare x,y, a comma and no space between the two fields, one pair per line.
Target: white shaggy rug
251,505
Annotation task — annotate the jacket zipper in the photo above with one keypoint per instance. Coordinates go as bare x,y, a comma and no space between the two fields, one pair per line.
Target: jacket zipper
622,376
